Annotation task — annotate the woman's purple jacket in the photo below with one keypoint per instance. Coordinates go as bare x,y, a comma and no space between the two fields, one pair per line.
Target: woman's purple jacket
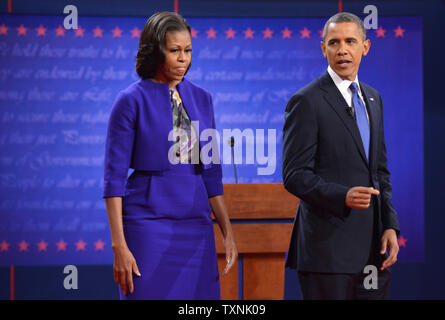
138,129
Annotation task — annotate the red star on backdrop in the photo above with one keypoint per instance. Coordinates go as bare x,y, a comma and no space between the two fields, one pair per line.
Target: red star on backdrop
211,33
23,246
79,32
135,32
21,31
380,32
41,31
117,33
305,33
42,245
3,30
194,33
60,31
402,241
248,33
399,32
268,33
99,244
80,245
98,32
230,33
287,34
61,245
4,246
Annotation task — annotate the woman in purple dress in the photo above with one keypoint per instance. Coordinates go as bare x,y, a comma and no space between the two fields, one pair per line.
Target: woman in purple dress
160,222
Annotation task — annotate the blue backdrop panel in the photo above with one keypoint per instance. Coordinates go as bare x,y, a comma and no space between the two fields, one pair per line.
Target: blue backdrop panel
57,87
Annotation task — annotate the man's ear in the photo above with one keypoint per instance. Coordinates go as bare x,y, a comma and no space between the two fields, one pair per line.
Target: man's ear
366,45
323,48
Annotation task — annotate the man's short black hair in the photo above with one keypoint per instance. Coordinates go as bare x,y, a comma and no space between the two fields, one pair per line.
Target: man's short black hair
345,17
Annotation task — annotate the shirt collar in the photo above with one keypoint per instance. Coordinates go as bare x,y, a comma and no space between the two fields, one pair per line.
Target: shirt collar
341,84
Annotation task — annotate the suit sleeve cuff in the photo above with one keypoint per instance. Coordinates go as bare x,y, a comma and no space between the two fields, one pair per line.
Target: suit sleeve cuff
115,188
214,187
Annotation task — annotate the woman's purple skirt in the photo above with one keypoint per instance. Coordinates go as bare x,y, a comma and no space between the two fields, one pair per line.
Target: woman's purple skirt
168,228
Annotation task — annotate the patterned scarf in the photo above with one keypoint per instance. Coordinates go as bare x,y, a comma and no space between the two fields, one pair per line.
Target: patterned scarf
184,131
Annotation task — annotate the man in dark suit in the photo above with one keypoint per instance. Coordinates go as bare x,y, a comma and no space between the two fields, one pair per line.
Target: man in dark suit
334,160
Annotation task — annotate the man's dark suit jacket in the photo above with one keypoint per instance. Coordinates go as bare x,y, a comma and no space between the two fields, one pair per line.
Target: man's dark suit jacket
323,157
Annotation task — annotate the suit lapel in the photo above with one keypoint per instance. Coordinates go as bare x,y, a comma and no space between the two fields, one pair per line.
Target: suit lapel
189,103
338,103
190,106
192,109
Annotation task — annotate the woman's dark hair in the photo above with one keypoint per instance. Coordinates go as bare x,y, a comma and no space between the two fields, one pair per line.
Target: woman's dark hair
151,52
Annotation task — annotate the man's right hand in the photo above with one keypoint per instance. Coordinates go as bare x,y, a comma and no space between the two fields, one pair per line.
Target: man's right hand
360,197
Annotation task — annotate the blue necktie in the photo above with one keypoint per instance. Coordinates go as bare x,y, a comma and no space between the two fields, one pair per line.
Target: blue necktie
362,119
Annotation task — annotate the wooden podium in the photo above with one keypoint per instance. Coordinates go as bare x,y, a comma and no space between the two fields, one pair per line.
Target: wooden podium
261,216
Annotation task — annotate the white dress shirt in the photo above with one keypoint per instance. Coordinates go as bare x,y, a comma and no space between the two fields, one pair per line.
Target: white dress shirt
343,87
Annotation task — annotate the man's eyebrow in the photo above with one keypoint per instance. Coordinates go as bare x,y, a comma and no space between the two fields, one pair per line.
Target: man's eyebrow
347,39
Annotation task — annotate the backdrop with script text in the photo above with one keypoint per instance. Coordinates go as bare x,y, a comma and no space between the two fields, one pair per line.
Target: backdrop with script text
57,87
